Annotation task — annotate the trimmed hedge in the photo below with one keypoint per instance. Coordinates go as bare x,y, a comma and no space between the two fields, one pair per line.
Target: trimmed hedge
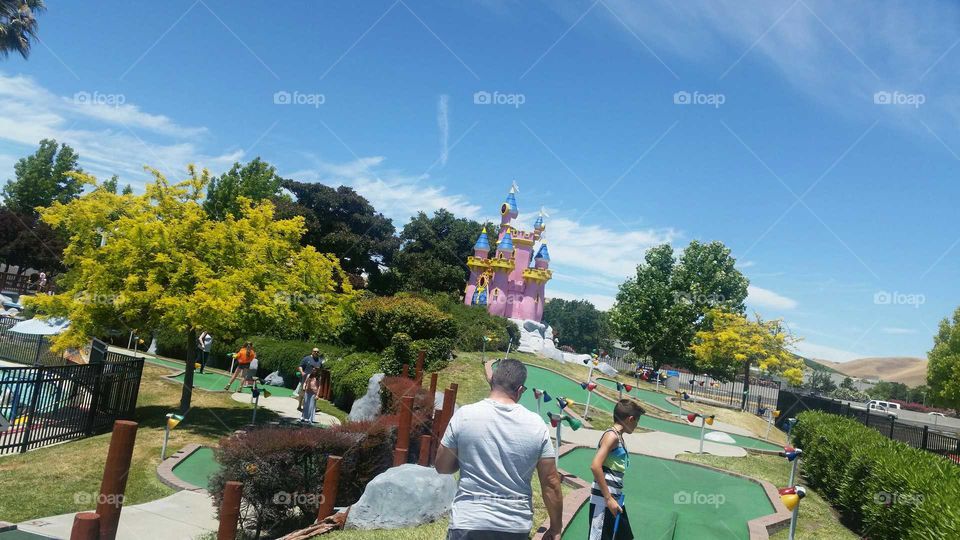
374,321
884,488
350,376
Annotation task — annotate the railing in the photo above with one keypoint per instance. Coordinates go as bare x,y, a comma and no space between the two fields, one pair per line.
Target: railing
791,404
26,349
761,394
46,405
22,283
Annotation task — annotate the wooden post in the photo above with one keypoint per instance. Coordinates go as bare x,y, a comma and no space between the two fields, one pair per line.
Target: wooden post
454,387
230,511
115,472
403,432
331,481
329,385
421,356
425,442
405,371
433,388
444,419
86,526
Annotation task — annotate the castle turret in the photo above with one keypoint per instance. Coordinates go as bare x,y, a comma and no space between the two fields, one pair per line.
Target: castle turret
508,210
505,247
542,259
482,247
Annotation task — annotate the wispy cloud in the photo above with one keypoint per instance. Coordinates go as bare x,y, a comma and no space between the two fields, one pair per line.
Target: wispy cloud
765,298
823,352
443,124
898,331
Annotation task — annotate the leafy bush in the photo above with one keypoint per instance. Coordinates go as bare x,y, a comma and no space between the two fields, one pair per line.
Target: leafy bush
850,395
350,376
374,321
883,488
438,352
473,323
282,469
396,355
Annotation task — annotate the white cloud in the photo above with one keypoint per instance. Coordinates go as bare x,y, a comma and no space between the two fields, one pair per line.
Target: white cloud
117,138
443,124
766,298
898,331
824,352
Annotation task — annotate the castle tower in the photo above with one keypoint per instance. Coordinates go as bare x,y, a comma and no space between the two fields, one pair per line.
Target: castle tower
506,282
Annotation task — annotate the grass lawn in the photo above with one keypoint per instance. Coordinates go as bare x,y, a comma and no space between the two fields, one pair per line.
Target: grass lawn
66,478
817,521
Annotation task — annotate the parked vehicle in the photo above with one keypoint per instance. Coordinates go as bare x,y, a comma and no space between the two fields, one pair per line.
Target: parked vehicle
884,407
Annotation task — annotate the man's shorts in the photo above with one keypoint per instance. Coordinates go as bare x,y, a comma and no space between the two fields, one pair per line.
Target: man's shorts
461,534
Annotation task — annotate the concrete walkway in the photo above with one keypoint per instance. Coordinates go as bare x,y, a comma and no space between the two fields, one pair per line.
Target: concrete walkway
286,407
183,515
652,443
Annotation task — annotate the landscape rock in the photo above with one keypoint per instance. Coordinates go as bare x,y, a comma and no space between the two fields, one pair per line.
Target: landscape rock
404,496
368,406
537,338
607,369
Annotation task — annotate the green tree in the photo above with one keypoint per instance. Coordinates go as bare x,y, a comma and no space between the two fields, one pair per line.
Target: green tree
341,222
43,178
847,384
18,25
166,265
658,311
27,242
731,343
887,390
943,366
433,253
821,382
578,324
257,180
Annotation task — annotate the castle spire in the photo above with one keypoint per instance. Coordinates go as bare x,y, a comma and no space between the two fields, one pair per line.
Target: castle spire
483,244
538,224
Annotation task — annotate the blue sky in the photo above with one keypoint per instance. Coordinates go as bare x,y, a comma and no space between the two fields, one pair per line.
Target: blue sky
818,141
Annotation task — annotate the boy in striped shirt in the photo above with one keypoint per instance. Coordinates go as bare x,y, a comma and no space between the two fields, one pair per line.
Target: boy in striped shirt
608,517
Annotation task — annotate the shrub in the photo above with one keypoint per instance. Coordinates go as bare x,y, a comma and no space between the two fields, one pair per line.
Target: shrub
883,488
282,469
374,321
350,376
396,355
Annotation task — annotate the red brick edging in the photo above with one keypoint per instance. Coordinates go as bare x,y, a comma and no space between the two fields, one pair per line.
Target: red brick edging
165,470
759,528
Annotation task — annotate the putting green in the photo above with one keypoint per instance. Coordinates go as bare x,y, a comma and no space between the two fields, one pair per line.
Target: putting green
216,381
198,467
558,385
670,499
650,396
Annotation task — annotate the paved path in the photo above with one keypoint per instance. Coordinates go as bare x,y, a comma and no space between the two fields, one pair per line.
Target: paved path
183,515
653,443
286,407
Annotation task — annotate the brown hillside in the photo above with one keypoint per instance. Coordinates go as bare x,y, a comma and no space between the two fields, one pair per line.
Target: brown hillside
907,370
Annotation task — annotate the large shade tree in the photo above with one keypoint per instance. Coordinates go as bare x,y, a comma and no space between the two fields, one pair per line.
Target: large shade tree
732,343
18,25
943,366
158,261
578,324
42,178
256,181
658,311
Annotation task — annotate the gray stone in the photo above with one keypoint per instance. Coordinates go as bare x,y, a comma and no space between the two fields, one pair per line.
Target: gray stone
368,406
719,436
404,496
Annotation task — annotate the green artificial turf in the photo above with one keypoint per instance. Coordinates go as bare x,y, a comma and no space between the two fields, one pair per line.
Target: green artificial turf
670,499
198,468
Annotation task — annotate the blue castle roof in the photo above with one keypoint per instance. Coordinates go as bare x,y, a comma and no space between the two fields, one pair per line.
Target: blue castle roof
483,243
543,253
538,222
512,201
506,244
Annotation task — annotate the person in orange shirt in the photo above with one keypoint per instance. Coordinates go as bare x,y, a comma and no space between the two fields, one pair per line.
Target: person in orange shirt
244,357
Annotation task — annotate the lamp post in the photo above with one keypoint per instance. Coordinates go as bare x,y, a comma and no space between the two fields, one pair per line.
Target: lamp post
172,420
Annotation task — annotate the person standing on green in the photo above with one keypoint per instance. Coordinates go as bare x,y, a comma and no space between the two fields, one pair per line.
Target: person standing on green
608,517
308,364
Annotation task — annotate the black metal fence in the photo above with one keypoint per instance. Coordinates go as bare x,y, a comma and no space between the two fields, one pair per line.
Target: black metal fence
791,404
26,349
43,405
761,393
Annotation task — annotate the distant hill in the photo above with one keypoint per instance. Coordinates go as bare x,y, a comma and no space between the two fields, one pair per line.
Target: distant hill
902,369
817,366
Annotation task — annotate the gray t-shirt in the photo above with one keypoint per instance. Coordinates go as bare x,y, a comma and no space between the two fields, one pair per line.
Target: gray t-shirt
498,447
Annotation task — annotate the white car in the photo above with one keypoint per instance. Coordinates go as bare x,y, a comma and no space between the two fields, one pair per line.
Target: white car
884,407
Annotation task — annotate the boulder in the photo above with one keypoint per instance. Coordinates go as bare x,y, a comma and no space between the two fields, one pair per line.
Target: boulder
368,406
607,369
719,436
404,496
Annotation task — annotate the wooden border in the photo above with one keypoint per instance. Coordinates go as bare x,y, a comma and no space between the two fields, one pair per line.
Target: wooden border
758,528
165,469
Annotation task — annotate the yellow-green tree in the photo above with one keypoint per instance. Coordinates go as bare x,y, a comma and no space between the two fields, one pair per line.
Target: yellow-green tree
157,261
732,343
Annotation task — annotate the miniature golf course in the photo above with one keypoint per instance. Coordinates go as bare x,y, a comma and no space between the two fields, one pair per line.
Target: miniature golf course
558,385
650,396
699,502
198,467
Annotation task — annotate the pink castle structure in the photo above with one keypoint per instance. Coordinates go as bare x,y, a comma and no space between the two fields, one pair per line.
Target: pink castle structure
505,281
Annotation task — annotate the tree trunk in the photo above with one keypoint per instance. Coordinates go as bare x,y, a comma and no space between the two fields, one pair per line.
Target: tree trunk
187,392
746,385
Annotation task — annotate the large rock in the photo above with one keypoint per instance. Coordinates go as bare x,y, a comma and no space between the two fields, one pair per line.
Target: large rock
368,407
537,338
404,496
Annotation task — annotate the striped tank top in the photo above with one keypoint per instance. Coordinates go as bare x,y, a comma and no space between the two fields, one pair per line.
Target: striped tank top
614,467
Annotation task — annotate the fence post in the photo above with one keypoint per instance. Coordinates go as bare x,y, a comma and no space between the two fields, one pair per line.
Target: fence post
867,421
86,526
34,405
403,432
893,423
115,473
425,442
421,356
95,396
331,481
230,510
923,440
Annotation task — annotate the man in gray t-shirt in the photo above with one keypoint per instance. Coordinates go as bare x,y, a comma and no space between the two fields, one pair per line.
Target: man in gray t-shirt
496,444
